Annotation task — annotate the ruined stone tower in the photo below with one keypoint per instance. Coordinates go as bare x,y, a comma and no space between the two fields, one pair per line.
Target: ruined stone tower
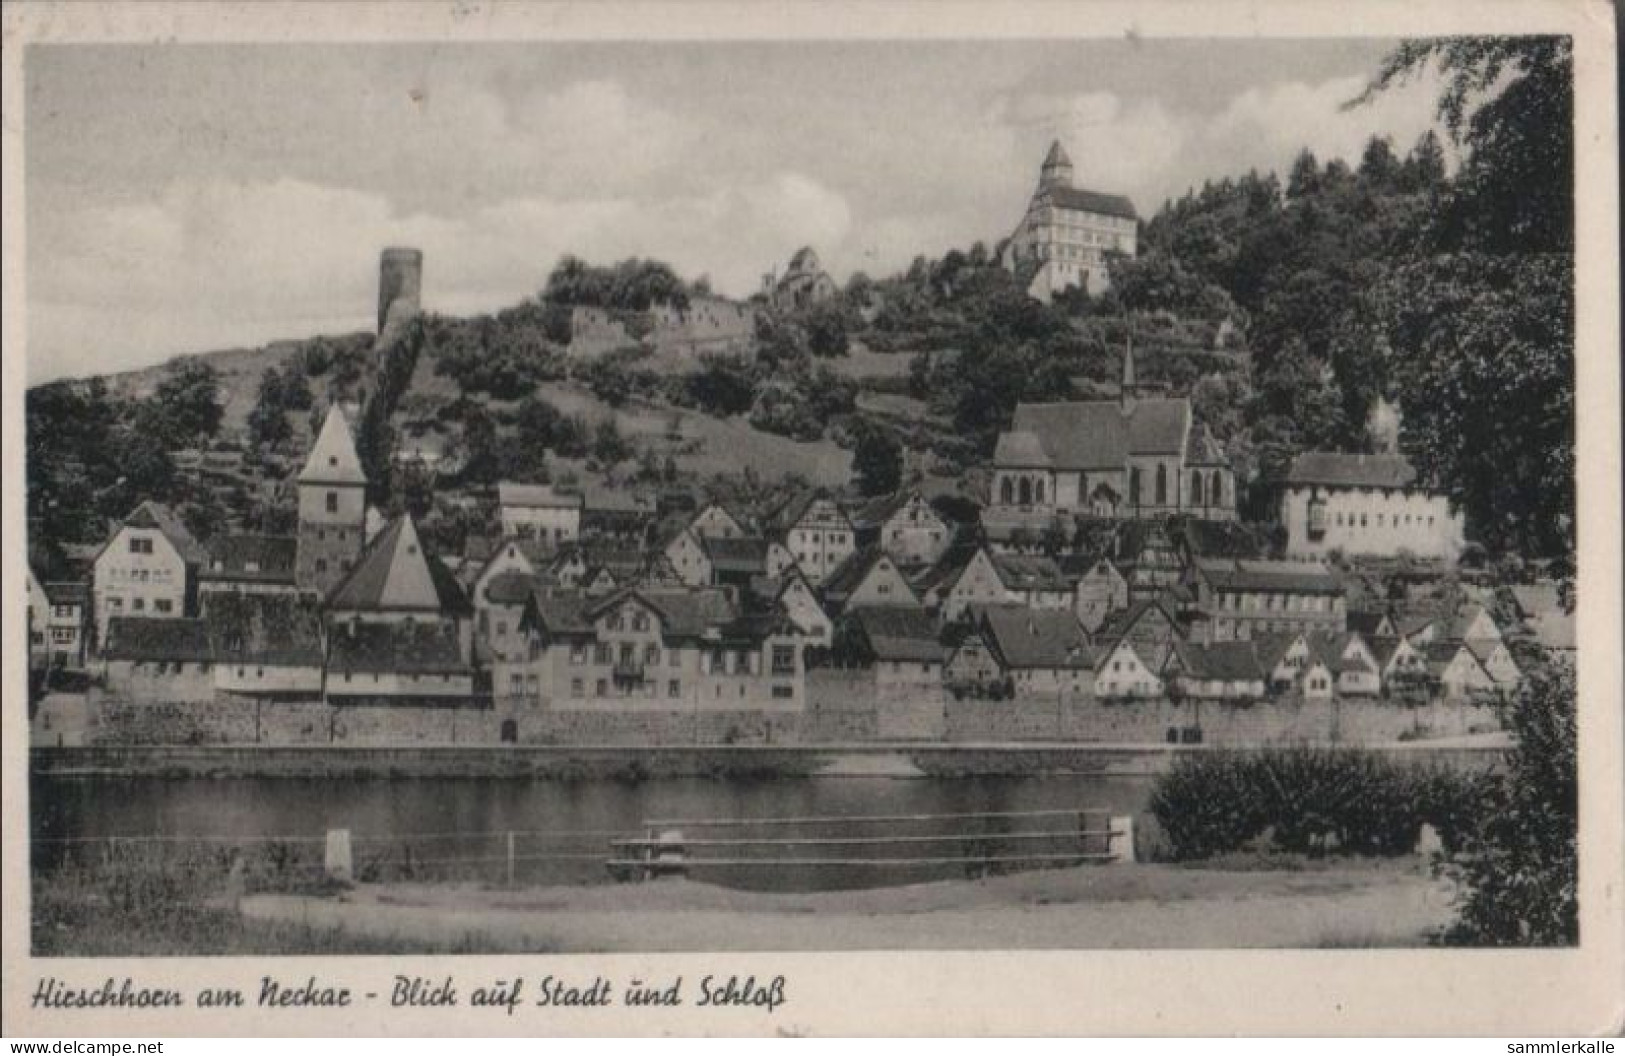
400,285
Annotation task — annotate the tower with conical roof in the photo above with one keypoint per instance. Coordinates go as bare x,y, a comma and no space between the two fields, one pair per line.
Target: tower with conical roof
1057,168
332,507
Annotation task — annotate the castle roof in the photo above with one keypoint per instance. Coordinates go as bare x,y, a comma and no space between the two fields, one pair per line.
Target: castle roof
395,573
1093,434
332,457
1087,201
1339,470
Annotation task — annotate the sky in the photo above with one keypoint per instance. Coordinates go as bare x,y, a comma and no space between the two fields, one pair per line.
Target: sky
186,198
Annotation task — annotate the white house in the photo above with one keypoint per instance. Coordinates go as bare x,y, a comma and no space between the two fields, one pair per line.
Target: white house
1365,504
147,569
539,512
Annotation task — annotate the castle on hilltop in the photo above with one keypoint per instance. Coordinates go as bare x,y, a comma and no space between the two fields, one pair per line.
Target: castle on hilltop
1068,231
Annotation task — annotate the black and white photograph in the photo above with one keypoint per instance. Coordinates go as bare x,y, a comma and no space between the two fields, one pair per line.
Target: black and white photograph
725,495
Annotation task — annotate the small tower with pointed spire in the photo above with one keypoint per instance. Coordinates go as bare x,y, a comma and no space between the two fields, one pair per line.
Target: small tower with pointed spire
1057,168
332,508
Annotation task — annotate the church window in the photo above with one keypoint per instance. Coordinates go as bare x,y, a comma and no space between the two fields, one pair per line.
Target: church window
1026,492
1134,487
1039,491
1196,489
1162,485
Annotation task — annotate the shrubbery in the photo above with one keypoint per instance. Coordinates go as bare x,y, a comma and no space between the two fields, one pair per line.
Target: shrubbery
1308,800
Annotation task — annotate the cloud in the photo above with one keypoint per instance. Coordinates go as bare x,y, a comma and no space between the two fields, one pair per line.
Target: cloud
217,264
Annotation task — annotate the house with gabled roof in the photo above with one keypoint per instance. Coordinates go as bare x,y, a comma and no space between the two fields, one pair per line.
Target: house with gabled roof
66,623
147,569
251,564
1150,625
900,645
1246,597
815,530
735,560
540,512
1039,652
1123,672
398,580
791,594
1351,659
1397,661
905,526
715,520
1457,670
656,648
1216,671
1100,591
158,659
990,578
869,578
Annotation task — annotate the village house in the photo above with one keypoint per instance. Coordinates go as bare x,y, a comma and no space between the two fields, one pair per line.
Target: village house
735,560
1215,671
990,578
616,513
804,282
1037,652
498,591
1243,597
1367,505
1398,662
869,578
905,526
684,648
1358,672
1153,561
791,594
1067,232
332,508
63,627
899,645
1131,457
250,564
397,581
716,521
540,512
148,569
265,646
1100,591
1458,671
158,660
397,664
1150,626
815,531
1124,673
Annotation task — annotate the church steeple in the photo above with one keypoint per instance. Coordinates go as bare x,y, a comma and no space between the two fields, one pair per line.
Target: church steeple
1127,389
1057,168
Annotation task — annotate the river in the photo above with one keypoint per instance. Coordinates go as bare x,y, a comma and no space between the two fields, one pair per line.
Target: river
458,828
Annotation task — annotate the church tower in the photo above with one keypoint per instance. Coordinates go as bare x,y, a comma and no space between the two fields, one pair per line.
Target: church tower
1057,169
332,508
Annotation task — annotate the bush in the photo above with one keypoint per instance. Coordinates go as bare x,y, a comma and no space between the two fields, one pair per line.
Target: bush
1307,800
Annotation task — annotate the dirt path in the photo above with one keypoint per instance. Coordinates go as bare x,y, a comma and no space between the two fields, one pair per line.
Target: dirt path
1120,907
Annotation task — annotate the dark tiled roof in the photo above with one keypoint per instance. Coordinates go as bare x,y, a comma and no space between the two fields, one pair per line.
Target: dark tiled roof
684,613
1092,201
899,634
364,589
390,648
1365,622
271,557
1335,469
1093,434
67,593
509,588
1023,572
1201,449
1289,577
158,638
846,576
1221,661
1028,638
277,629
536,496
156,515
746,555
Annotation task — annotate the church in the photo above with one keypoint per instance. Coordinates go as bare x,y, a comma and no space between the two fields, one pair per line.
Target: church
1068,231
1130,457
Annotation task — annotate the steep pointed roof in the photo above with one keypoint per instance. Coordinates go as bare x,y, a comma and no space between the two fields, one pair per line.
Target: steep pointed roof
1056,156
332,457
158,517
395,573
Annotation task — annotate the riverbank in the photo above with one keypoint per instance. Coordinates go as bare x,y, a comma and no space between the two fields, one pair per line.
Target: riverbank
578,762
1310,905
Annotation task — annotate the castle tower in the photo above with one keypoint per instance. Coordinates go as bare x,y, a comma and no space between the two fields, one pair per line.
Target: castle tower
1057,169
400,284
332,508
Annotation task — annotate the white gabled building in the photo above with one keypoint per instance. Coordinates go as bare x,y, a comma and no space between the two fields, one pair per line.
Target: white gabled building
149,568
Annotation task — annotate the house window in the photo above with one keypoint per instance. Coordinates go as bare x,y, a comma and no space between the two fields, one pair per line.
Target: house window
601,689
332,502
674,688
578,654
783,692
163,605
640,622
139,545
576,687
601,653
139,604
784,660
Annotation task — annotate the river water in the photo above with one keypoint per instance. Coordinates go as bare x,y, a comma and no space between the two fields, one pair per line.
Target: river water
443,828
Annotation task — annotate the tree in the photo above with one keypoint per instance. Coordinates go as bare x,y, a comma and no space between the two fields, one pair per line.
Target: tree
1519,864
536,420
186,406
877,462
1509,101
